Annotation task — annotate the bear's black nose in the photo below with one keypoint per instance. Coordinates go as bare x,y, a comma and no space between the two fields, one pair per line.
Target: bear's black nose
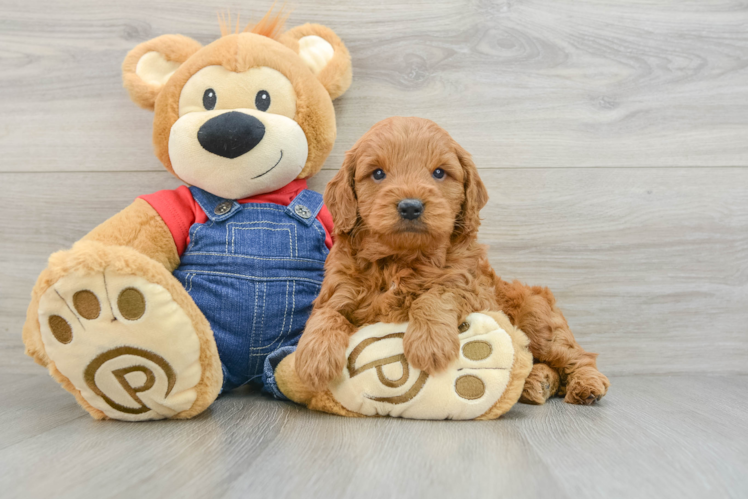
231,134
410,209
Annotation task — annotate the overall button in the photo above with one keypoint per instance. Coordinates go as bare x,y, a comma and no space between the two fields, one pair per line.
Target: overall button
302,211
223,208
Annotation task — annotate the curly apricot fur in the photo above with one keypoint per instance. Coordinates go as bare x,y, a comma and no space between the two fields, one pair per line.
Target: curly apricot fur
431,273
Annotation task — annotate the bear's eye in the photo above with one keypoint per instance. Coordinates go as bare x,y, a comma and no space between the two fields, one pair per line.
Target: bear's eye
262,100
209,99
378,175
439,174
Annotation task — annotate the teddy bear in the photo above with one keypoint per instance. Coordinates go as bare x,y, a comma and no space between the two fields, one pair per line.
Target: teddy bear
191,292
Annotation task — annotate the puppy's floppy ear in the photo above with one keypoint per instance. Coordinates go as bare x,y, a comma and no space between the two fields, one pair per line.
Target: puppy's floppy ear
340,196
476,197
149,66
325,55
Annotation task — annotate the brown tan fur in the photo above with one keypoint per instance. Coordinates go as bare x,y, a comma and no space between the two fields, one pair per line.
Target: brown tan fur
239,52
141,228
271,25
91,257
137,228
542,383
137,241
430,273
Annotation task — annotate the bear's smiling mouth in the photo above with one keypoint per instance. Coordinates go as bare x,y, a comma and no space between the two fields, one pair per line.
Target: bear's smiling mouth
271,168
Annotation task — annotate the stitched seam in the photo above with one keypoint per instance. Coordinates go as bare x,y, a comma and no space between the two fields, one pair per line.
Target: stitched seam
260,278
293,305
322,235
79,320
106,289
234,229
291,212
314,225
193,237
228,226
283,326
285,312
310,199
247,206
199,202
254,319
264,296
260,222
282,259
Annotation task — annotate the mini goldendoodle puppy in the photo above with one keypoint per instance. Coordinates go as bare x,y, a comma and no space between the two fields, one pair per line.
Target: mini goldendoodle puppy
406,206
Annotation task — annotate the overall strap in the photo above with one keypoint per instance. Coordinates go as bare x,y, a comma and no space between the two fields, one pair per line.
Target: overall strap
305,207
217,209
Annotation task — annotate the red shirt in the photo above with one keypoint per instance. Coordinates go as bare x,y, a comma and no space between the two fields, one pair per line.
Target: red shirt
180,211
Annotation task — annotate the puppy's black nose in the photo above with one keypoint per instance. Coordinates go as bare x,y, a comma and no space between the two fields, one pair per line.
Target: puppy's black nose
410,209
231,134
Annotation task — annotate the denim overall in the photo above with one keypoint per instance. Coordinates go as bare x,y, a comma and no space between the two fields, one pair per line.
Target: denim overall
254,270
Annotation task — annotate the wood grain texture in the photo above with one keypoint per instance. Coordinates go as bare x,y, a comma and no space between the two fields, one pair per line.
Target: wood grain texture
651,438
650,266
537,83
613,138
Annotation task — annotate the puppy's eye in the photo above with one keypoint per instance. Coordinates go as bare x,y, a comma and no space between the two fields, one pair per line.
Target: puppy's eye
262,100
439,174
378,175
209,99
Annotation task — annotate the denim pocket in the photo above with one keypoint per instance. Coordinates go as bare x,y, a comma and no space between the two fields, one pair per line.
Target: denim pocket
262,239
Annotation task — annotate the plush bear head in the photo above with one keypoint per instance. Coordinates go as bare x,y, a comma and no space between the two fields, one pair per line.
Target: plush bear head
246,114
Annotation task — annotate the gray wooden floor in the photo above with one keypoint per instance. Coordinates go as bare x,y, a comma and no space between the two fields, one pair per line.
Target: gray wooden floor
613,137
674,436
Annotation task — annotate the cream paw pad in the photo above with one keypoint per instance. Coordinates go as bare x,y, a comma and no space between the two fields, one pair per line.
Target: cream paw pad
483,383
123,343
128,348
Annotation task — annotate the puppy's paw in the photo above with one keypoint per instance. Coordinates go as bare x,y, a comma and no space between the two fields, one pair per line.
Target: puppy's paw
542,384
586,386
319,359
430,348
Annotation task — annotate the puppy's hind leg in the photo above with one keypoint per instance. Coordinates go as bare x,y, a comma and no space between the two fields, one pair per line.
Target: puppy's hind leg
542,384
534,311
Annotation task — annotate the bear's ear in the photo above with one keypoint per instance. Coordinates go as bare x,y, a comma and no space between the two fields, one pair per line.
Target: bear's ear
149,66
324,53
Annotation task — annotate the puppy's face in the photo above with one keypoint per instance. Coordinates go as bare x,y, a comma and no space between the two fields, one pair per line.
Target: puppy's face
408,182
